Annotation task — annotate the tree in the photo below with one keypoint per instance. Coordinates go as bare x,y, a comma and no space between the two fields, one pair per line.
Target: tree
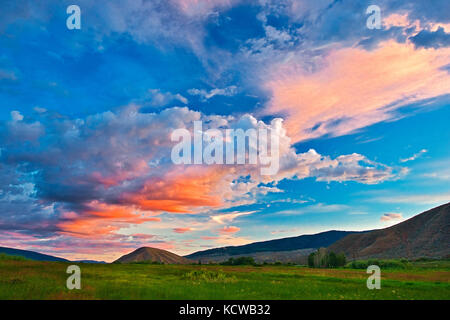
324,259
332,260
311,259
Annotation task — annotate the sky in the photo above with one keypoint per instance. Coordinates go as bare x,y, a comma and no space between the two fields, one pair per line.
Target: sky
86,116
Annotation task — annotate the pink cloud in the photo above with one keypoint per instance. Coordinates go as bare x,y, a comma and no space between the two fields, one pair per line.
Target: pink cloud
230,229
355,88
387,217
209,238
182,230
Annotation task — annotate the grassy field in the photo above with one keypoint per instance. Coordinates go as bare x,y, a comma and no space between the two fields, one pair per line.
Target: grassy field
24,279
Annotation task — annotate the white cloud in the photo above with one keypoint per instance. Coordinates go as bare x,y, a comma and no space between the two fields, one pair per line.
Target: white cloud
229,217
414,156
159,98
206,95
16,116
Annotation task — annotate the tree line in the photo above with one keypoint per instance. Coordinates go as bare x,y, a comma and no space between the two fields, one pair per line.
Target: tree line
323,258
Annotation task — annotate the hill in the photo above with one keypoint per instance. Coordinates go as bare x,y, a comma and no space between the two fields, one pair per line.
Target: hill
30,254
424,235
89,261
147,254
291,249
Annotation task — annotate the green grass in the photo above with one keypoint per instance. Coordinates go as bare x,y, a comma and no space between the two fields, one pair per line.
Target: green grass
393,264
24,279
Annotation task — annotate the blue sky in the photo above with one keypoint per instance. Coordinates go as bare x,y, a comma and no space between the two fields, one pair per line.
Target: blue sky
86,117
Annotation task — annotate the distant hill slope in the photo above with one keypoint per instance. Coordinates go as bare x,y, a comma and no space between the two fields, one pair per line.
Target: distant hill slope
299,256
89,261
425,235
323,239
153,255
30,254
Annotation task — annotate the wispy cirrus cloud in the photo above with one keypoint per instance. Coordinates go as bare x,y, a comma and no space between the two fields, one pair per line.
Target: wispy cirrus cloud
229,217
206,95
418,199
414,156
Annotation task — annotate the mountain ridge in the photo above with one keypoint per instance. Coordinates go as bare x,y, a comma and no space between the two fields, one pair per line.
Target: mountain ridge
31,255
289,244
424,235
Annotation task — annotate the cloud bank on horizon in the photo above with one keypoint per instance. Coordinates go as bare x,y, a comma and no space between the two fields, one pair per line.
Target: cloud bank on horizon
87,115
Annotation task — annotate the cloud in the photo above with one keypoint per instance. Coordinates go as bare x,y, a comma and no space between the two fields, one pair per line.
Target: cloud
66,180
209,238
206,95
323,102
229,229
182,230
142,236
16,116
442,175
422,199
159,99
352,167
108,171
229,217
293,230
414,156
430,39
228,240
203,7
316,208
389,217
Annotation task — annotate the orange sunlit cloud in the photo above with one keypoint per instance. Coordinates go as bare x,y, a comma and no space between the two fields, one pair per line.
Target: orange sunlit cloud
101,219
181,191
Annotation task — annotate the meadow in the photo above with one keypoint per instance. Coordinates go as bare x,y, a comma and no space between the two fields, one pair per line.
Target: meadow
26,279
